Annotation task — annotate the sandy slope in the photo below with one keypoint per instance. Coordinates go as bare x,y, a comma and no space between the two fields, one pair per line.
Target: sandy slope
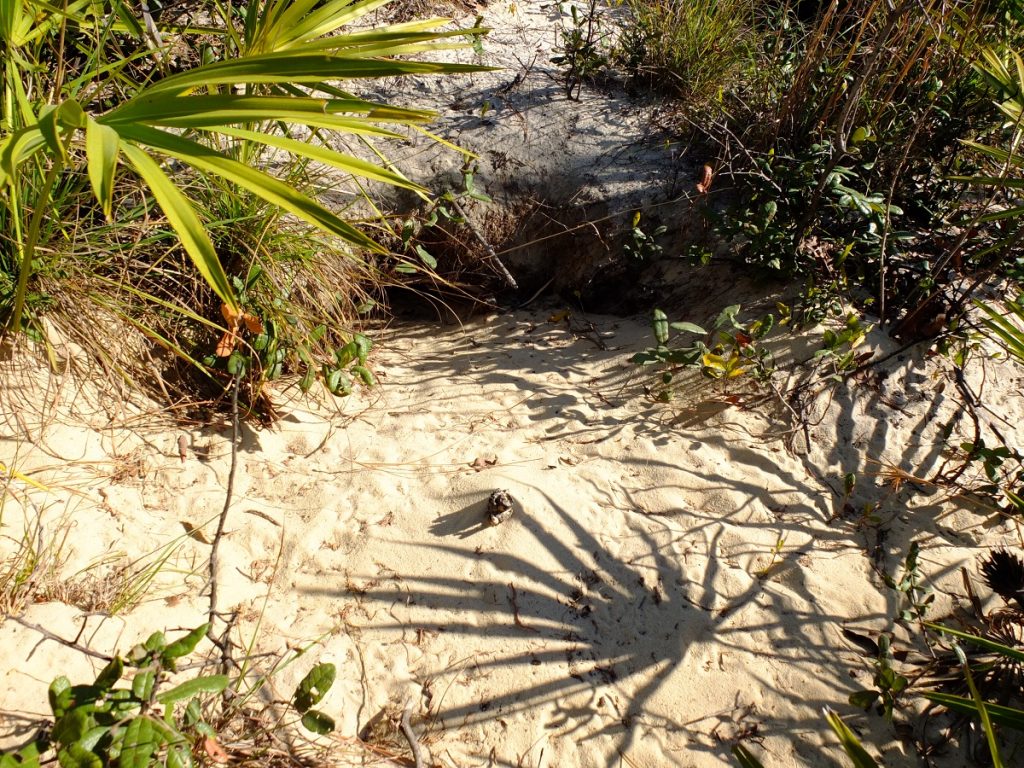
618,612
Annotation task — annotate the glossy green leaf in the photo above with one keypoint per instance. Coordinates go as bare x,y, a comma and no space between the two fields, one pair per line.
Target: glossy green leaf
18,147
206,684
685,327
26,757
110,674
140,744
308,379
77,756
142,684
863,699
59,694
179,756
364,375
72,726
314,686
317,722
426,257
659,324
187,644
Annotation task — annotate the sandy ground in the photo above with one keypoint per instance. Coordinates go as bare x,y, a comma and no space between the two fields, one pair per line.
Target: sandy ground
624,614
618,617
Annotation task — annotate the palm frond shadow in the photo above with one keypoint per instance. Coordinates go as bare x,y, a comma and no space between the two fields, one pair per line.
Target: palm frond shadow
609,625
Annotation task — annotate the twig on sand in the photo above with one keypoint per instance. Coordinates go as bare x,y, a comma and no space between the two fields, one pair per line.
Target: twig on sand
492,255
223,642
515,611
47,634
410,735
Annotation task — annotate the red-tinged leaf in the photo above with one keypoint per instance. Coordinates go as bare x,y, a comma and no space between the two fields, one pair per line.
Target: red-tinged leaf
215,751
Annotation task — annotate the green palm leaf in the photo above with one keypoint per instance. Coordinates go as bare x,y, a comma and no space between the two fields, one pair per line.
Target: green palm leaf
225,109
324,155
186,223
305,67
265,186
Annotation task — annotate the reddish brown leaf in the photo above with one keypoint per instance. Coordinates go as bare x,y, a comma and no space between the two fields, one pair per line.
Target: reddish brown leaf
226,345
252,323
705,180
215,751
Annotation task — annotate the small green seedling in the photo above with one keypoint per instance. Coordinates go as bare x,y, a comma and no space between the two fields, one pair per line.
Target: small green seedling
889,685
640,245
774,562
142,723
917,598
736,350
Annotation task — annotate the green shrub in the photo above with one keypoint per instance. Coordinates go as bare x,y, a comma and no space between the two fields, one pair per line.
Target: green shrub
849,142
131,715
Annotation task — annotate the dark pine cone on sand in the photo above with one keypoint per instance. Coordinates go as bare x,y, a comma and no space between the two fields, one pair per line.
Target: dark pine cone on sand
499,506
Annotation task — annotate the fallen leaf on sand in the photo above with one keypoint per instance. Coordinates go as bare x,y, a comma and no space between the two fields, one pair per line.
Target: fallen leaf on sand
194,533
215,751
481,463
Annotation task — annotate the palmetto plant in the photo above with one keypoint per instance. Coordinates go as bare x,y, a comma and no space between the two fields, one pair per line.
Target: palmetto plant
88,93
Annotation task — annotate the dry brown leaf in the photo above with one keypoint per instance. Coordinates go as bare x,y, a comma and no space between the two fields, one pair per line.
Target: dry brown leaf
230,339
226,345
252,323
194,533
215,751
707,173
481,463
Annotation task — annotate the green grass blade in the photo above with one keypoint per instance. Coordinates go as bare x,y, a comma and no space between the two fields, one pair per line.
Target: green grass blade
849,741
986,722
745,758
1008,717
101,151
1010,653
185,222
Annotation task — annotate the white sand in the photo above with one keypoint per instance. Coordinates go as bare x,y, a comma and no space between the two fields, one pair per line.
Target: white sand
619,611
